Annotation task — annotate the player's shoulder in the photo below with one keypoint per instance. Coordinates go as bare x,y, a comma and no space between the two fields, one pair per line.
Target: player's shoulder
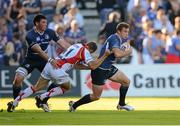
30,34
112,38
50,31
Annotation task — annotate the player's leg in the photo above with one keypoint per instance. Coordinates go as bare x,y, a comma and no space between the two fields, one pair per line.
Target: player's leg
17,84
57,91
27,92
61,89
121,78
97,91
61,78
40,66
22,71
98,78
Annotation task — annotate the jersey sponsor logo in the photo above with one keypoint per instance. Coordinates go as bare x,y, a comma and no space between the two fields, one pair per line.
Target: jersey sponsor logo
38,39
27,65
46,36
43,43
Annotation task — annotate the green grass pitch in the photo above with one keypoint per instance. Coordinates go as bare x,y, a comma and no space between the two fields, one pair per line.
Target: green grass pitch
90,117
148,111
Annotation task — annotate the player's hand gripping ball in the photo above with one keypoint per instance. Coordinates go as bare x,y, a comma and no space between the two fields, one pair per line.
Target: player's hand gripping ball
125,46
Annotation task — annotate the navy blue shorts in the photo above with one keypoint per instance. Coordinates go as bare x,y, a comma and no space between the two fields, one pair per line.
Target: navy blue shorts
99,76
30,64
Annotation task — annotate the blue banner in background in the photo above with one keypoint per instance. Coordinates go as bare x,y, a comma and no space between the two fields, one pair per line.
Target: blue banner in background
7,76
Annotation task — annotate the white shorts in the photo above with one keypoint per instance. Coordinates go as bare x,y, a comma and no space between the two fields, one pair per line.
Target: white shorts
58,76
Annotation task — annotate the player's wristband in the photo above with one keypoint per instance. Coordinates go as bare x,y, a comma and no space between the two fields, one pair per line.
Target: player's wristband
50,60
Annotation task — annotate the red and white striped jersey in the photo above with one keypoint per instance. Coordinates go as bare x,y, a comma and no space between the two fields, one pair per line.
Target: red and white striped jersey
74,54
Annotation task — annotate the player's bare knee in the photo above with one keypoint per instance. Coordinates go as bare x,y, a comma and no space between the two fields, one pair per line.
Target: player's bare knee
95,97
66,86
127,82
35,88
18,81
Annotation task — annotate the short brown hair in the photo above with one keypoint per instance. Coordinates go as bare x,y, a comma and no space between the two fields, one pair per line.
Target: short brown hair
122,25
92,46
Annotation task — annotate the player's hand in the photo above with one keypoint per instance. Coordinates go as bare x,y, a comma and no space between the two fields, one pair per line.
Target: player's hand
128,47
54,63
107,52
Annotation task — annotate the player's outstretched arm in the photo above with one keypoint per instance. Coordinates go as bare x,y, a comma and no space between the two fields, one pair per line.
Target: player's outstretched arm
62,42
36,48
97,62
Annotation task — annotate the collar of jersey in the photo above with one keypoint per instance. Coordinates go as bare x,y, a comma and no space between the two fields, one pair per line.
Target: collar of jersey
40,33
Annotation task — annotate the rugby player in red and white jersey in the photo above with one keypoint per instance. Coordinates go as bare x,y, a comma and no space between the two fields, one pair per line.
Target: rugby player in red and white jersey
71,57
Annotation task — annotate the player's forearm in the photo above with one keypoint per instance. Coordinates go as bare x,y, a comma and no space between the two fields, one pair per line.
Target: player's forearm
37,49
63,43
81,66
123,53
96,63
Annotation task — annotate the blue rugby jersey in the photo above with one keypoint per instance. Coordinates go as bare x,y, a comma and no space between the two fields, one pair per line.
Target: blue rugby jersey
113,41
33,37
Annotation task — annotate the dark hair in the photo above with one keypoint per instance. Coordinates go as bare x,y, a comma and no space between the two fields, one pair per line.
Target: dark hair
92,46
38,18
122,25
157,31
178,32
160,8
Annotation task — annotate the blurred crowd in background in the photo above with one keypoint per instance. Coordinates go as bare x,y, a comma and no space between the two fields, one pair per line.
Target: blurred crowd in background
154,33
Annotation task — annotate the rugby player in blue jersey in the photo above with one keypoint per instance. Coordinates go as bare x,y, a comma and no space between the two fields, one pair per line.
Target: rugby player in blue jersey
38,39
119,48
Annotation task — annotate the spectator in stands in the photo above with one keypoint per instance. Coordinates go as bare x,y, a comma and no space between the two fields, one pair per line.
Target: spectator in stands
8,54
177,23
3,39
162,21
73,14
14,51
135,18
13,11
109,27
122,7
63,6
60,29
152,11
132,3
104,7
167,38
32,6
55,49
152,47
22,32
22,29
174,10
4,33
173,55
4,4
57,19
49,4
75,34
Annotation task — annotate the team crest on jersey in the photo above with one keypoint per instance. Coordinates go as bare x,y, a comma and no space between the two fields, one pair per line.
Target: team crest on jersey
27,65
38,39
46,36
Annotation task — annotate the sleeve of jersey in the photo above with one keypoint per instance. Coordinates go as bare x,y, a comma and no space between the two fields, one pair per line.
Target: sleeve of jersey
30,41
114,43
87,56
55,36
